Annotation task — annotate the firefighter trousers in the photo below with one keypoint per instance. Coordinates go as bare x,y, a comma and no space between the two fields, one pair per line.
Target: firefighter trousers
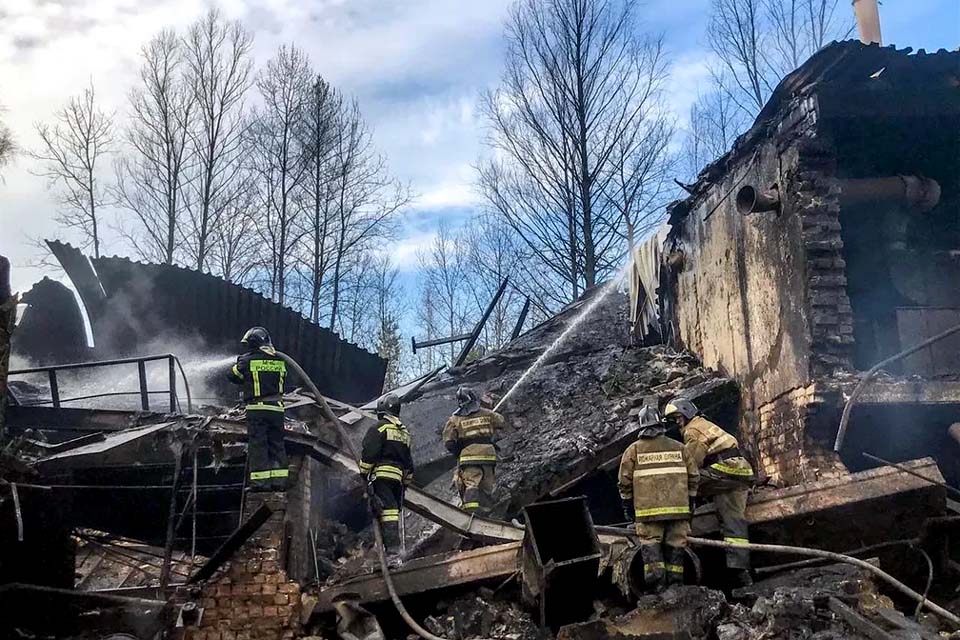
662,545
266,455
475,485
388,504
730,501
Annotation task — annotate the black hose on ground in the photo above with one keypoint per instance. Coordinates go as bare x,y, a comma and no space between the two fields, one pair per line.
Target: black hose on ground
837,557
377,532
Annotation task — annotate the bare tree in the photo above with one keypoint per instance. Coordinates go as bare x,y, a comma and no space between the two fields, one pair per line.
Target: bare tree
491,256
366,197
152,179
580,88
757,42
218,69
386,307
277,159
714,124
443,285
317,138
71,149
235,243
7,145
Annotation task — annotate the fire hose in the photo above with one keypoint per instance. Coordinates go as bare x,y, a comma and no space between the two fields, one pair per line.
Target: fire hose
837,557
377,532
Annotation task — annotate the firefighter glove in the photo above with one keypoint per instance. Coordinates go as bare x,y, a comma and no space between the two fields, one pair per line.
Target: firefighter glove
628,509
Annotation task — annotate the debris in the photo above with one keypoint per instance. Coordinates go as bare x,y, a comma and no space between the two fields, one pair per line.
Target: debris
680,612
483,616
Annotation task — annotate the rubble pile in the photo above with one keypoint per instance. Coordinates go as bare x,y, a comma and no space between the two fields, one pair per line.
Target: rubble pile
484,615
579,401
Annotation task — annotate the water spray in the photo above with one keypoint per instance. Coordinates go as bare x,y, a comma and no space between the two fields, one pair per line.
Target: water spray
577,320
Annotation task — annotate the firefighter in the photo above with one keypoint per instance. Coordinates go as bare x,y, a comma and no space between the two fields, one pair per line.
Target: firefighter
387,465
658,482
470,434
725,476
261,372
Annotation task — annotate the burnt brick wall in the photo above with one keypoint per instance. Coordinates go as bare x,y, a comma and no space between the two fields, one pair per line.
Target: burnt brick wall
253,598
815,197
789,451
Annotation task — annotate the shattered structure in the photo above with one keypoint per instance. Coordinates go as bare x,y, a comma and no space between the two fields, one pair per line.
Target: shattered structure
821,244
824,242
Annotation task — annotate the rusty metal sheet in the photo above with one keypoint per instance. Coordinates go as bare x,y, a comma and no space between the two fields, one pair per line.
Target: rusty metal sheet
432,572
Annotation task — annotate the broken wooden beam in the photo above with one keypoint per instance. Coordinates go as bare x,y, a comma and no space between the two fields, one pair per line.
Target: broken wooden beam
232,544
425,574
842,513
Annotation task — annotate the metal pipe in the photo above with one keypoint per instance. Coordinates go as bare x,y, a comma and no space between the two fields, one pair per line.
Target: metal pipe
954,432
857,390
752,200
171,518
465,352
915,192
438,341
867,13
142,378
837,557
517,328
95,363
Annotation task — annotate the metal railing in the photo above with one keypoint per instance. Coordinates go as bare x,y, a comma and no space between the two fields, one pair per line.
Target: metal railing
173,364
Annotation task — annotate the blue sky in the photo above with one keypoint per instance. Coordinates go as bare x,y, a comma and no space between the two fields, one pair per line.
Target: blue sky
416,66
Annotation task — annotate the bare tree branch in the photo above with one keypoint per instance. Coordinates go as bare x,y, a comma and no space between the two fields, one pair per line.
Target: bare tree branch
218,71
71,149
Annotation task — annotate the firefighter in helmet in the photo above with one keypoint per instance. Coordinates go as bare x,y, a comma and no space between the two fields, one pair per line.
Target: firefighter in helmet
470,434
387,465
725,477
658,482
261,372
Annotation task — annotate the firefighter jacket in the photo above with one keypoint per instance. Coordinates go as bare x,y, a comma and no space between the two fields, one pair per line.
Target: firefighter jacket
715,451
261,372
659,477
471,437
385,454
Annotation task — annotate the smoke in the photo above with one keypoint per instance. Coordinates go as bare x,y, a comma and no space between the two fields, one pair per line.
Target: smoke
118,386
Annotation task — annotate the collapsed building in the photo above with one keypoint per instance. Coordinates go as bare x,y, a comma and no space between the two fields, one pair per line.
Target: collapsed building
774,295
824,242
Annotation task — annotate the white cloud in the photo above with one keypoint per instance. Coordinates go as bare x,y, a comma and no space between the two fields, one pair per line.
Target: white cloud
404,253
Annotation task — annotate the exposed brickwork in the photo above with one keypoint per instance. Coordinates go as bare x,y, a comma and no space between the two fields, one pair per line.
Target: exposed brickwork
815,197
789,451
252,598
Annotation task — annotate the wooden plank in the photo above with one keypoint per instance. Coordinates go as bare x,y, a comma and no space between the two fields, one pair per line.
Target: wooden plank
432,572
838,495
858,622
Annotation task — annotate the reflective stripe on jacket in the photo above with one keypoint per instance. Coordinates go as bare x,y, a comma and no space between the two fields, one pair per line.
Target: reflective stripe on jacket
385,454
706,442
262,373
471,437
659,477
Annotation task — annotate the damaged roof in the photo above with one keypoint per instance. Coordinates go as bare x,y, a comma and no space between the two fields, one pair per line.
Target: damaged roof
840,67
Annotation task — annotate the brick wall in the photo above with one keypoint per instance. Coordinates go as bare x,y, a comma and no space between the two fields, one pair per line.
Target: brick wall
814,196
788,450
252,597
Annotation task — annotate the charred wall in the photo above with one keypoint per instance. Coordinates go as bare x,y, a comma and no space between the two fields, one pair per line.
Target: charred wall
792,300
903,260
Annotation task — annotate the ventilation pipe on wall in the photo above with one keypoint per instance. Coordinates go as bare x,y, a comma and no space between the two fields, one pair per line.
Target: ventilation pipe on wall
913,192
753,200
